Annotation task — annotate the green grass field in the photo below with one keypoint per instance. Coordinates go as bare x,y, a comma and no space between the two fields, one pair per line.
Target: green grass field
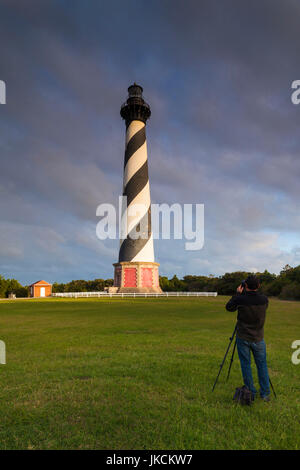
137,374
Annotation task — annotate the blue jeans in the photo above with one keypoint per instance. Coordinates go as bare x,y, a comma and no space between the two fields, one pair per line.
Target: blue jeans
260,357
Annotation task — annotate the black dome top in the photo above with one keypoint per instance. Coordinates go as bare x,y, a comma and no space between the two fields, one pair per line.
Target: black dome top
135,107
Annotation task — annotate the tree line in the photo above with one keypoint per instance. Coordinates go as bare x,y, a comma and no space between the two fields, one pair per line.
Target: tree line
12,286
285,285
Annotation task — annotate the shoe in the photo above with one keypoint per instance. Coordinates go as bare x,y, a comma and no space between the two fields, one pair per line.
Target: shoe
267,398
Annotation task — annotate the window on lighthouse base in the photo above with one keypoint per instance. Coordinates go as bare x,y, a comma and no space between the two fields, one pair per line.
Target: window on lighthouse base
147,277
130,277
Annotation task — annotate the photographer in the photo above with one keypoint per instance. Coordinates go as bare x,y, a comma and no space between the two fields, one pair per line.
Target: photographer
251,306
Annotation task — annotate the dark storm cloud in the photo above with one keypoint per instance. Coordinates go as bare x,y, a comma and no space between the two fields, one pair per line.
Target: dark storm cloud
223,131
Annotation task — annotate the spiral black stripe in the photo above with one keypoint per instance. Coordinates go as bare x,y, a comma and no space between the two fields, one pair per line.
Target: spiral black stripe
136,183
131,247
134,144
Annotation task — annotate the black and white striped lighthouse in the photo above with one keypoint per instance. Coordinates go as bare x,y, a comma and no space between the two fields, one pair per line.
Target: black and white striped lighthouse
136,270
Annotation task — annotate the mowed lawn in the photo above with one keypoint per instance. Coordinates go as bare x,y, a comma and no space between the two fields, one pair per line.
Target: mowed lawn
137,374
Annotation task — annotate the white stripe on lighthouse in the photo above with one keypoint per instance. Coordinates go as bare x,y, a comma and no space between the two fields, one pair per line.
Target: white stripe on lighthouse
132,129
146,253
135,162
138,208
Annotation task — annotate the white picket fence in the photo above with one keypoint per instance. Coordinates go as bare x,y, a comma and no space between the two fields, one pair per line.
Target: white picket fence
135,294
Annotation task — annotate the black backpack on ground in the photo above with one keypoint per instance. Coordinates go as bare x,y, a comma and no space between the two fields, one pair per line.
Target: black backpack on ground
243,395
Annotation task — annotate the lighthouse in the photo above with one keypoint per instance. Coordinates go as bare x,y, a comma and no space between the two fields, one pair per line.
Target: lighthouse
136,270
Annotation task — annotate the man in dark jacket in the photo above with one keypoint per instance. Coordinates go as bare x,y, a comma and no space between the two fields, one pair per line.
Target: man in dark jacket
251,306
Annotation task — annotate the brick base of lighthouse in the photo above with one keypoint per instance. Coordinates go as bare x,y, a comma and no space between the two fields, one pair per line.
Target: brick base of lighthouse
136,277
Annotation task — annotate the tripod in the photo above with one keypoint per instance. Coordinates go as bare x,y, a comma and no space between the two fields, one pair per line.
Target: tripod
231,361
221,366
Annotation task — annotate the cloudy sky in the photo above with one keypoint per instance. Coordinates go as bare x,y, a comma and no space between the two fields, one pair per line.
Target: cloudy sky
223,131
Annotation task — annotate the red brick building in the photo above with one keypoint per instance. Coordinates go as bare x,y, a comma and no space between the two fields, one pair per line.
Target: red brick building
40,289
